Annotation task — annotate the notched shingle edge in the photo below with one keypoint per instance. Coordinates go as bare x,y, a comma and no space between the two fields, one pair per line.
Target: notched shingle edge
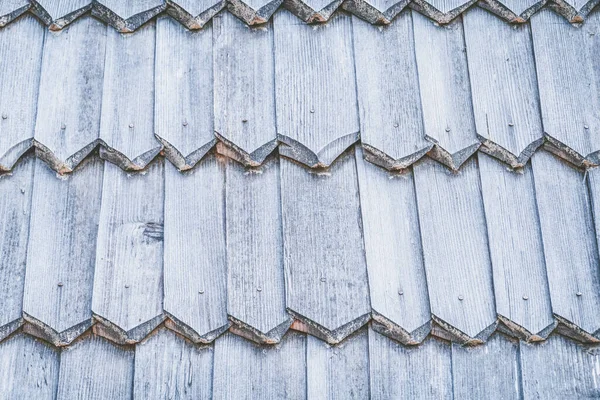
306,325
236,153
122,161
190,21
176,325
251,16
505,325
125,25
423,7
9,159
323,158
572,14
495,150
388,328
249,332
14,14
64,166
116,334
571,330
40,330
446,331
309,15
185,163
364,10
570,155
11,327
60,22
380,158
499,9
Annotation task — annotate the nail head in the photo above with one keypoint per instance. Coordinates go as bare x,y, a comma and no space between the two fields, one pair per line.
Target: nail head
60,284
579,294
323,279
525,298
131,126
312,111
586,127
448,129
259,289
63,127
400,292
511,124
4,116
185,123
201,291
126,286
461,297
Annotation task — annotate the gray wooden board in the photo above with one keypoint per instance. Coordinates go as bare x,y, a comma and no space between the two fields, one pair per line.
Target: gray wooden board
184,92
393,249
340,371
253,12
19,74
61,253
11,9
59,13
256,288
169,367
15,206
409,372
244,370
516,248
198,9
560,369
326,274
315,88
128,286
70,98
445,6
244,88
569,239
28,369
94,369
455,248
391,121
195,270
126,9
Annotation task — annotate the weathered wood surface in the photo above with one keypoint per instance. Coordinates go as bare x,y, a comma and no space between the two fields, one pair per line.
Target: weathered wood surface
127,15
59,13
12,9
253,12
311,11
194,14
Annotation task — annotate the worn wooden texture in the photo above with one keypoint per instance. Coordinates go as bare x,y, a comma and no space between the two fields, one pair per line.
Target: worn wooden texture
15,206
244,90
184,92
391,121
93,368
376,12
195,270
560,369
127,15
127,122
194,14
28,369
128,284
445,90
59,13
570,246
326,273
504,87
20,75
61,252
253,12
455,249
490,371
317,117
312,11
70,99
575,11
516,250
338,372
409,372
393,250
245,370
256,287
168,367
517,11
12,9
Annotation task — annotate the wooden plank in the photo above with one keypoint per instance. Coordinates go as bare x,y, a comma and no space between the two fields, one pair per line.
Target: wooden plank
128,287
393,249
338,372
61,252
20,83
575,11
516,250
504,86
12,9
311,11
168,367
445,90
244,90
244,370
455,249
195,270
194,14
256,288
253,12
514,11
391,120
127,15
442,11
29,369
376,12
95,369
184,92
326,273
59,13
570,245
315,89
127,121
68,118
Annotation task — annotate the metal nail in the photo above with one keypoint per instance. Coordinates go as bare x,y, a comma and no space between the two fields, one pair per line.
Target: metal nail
131,126
312,111
323,279
400,292
63,127
525,298
461,297
396,125
201,291
579,294
4,116
244,120
185,123
126,286
259,289
448,129
586,127
511,124
60,284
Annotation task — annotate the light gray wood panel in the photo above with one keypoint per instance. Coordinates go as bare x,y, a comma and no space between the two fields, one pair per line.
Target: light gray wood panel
338,372
256,288
15,207
168,367
68,117
29,369
127,15
317,117
195,270
244,370
326,274
409,372
244,89
60,266
455,249
560,369
504,86
94,369
394,253
20,83
11,9
184,92
128,284
59,13
194,14
127,121
569,241
445,90
490,371
391,121
516,249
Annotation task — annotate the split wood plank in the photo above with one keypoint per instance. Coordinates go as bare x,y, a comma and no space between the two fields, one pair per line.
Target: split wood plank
127,15
59,13
194,14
